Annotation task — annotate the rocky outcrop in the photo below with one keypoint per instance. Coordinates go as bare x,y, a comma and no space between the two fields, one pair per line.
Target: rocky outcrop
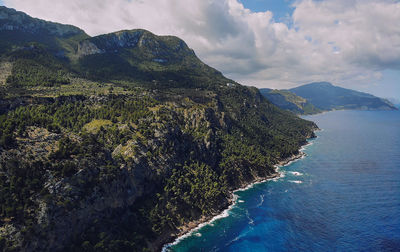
161,46
94,192
87,48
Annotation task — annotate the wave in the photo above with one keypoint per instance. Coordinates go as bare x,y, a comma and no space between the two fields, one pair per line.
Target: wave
296,173
296,181
235,200
224,214
251,221
261,200
258,182
303,148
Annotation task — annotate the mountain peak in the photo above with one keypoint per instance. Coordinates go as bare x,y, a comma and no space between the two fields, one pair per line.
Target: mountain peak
12,20
320,84
138,38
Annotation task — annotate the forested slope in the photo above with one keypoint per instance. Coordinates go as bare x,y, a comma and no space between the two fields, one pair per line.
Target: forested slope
123,160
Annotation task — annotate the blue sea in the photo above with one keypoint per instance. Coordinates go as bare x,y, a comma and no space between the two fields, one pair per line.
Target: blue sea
343,196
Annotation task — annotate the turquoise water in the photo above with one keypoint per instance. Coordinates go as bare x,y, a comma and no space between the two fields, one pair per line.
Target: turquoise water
344,196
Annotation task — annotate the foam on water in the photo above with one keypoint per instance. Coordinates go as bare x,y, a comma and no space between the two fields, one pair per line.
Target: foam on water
261,200
226,212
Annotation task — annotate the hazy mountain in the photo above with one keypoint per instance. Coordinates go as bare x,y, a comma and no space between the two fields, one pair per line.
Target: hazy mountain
326,96
323,96
289,101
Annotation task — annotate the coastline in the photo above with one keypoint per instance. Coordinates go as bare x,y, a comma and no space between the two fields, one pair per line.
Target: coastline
394,108
194,226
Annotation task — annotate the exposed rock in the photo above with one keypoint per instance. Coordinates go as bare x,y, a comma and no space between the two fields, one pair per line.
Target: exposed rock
88,48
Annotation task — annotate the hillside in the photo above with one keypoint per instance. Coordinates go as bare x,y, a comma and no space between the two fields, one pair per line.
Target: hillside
323,96
142,57
326,96
289,101
119,142
18,29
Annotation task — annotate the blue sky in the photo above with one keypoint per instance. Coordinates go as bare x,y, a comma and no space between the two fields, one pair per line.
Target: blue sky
389,84
353,44
387,87
280,8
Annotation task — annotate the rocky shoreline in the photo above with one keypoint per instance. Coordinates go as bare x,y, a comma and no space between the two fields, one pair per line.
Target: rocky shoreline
191,227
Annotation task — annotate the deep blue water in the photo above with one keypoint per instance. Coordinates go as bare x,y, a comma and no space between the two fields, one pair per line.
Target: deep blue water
348,198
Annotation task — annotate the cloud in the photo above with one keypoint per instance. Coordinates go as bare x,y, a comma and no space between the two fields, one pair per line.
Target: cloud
342,41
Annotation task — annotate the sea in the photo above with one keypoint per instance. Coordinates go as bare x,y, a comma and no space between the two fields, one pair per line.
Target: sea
343,196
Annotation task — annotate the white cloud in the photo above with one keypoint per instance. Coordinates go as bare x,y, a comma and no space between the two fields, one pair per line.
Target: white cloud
343,41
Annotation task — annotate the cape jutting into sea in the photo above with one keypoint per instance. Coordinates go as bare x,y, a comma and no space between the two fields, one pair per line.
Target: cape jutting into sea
344,196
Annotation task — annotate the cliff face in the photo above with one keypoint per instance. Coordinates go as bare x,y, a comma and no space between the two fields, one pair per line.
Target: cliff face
72,202
176,163
158,46
140,56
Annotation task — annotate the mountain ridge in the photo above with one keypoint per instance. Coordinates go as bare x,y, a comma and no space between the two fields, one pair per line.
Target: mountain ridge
324,96
11,19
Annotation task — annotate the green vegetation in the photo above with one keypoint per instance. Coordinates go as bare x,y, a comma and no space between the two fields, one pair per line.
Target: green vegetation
95,125
33,66
290,101
118,149
188,179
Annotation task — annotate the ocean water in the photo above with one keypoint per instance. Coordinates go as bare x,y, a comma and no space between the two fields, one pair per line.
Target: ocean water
344,196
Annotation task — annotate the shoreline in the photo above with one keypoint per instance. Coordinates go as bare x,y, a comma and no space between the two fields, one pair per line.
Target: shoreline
396,108
194,226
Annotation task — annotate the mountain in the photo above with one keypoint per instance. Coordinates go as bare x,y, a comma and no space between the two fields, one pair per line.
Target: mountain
122,141
323,96
139,55
287,100
326,96
18,29
135,56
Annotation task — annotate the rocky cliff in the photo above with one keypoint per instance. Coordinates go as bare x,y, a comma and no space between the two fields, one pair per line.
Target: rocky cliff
123,139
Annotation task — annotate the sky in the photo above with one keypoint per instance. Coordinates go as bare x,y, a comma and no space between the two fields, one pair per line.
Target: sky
263,43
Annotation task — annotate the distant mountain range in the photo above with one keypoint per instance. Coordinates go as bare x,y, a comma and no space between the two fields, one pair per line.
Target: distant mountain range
323,96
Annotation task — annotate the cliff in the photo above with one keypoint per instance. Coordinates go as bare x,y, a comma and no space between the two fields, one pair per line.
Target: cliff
122,139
